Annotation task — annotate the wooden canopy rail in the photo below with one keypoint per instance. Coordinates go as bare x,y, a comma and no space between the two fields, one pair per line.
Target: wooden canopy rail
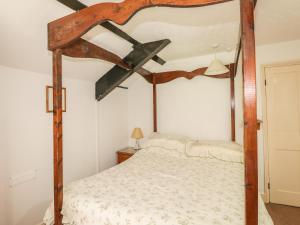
64,37
164,77
77,5
84,49
64,31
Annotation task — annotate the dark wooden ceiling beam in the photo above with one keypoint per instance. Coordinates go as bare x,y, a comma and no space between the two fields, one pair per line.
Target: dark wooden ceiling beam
68,29
77,5
128,38
135,59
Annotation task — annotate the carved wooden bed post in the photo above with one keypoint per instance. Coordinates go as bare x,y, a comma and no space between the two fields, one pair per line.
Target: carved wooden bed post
57,135
232,101
250,117
154,104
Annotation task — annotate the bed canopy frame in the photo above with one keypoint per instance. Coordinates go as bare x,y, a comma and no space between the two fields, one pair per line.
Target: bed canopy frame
64,38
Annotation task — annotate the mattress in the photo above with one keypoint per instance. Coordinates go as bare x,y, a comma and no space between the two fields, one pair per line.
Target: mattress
158,187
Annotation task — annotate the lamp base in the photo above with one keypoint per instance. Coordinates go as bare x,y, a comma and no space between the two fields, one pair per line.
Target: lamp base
137,145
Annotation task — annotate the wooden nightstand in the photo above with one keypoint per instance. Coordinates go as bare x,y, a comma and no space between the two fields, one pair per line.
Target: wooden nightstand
125,154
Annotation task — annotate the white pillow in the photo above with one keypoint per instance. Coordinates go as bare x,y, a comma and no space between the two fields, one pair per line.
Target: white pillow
167,141
226,154
196,149
226,151
225,144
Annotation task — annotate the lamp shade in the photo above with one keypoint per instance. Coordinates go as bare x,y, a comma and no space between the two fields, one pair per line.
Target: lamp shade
216,67
137,133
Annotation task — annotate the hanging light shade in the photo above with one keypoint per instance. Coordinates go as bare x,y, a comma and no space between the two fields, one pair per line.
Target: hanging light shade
216,67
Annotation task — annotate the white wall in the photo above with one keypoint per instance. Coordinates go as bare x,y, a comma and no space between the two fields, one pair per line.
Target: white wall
199,108
26,141
3,174
112,126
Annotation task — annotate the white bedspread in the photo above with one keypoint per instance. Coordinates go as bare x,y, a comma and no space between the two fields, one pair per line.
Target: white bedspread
155,187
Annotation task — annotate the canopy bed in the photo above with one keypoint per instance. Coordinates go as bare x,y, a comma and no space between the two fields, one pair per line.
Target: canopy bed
164,184
64,38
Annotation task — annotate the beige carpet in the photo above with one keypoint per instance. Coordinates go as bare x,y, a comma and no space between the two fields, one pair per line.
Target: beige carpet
284,215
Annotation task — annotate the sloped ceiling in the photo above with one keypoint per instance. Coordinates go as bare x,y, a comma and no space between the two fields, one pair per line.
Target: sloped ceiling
192,31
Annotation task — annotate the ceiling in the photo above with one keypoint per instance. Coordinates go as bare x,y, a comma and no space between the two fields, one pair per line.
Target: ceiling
193,32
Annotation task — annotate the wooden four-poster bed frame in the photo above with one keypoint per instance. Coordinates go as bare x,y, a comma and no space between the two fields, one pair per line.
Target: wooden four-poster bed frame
64,38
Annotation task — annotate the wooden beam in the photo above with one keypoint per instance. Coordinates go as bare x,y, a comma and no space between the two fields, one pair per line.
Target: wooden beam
239,47
168,76
66,30
77,5
250,116
57,136
125,36
84,49
232,102
154,105
135,59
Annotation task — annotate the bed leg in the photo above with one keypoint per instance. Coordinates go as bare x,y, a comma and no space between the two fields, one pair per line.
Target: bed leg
232,102
250,117
57,136
154,105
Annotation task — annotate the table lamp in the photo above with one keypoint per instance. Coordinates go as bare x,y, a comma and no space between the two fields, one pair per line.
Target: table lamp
137,134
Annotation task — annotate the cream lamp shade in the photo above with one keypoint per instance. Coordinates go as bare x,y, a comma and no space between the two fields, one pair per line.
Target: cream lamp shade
137,133
216,67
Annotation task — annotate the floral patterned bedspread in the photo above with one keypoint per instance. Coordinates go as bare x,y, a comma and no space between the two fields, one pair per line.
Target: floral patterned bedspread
157,187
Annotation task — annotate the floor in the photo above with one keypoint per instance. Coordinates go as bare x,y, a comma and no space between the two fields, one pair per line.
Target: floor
284,215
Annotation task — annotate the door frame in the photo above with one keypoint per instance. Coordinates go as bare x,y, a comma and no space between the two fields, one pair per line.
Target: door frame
266,195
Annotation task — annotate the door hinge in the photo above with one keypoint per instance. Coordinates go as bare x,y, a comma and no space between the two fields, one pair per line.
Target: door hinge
269,186
265,82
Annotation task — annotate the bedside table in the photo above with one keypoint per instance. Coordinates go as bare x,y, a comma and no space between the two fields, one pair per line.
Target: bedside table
125,154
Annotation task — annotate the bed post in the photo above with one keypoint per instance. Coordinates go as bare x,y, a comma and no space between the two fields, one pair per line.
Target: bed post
250,117
57,136
154,105
232,102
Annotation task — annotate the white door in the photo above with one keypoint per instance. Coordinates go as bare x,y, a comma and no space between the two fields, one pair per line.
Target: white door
283,118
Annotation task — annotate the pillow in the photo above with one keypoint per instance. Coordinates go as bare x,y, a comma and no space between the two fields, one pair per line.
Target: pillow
196,149
226,154
225,144
226,151
167,141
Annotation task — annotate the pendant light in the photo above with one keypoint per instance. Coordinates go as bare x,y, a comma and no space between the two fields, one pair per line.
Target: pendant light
216,67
